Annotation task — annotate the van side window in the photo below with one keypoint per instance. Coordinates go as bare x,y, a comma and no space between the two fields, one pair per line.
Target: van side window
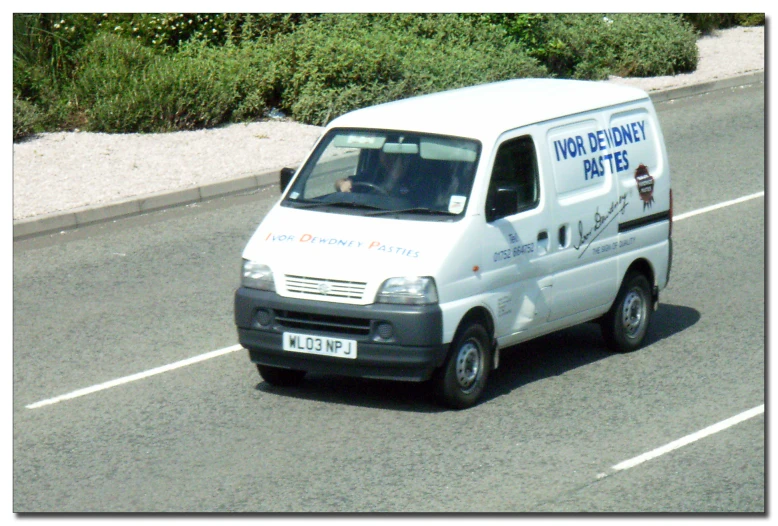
514,185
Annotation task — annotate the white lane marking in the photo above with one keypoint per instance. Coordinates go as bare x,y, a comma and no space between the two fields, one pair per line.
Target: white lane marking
717,206
134,377
688,439
214,354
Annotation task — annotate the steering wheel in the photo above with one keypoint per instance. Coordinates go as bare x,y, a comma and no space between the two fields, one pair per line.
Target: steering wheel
371,186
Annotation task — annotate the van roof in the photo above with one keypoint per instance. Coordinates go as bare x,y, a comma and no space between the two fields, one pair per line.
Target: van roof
487,110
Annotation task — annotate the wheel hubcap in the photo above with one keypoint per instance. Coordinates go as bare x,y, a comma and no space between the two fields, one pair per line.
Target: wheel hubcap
468,365
632,313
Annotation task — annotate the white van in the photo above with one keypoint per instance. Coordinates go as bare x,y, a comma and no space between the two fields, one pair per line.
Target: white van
421,237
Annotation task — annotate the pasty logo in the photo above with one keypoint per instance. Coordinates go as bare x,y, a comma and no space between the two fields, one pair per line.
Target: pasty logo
645,186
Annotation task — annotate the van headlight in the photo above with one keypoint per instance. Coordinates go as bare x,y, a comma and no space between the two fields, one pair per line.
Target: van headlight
257,276
408,291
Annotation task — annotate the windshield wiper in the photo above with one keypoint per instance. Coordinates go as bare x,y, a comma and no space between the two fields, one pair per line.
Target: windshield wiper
419,210
350,204
344,204
305,204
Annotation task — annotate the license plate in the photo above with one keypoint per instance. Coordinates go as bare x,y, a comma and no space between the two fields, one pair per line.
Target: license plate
320,345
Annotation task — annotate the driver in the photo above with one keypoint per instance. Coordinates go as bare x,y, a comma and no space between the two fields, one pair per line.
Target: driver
394,167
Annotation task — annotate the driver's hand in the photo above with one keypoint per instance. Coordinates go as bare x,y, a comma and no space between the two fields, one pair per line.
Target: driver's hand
343,185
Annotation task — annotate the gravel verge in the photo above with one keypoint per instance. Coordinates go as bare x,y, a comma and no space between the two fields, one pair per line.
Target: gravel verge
62,172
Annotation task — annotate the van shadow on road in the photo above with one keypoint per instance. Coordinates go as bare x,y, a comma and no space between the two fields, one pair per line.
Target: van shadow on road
544,357
562,351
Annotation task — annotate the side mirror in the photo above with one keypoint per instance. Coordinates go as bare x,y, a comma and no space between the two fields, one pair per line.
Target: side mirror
286,176
504,202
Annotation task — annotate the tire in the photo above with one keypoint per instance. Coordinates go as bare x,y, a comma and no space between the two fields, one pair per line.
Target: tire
625,325
461,380
280,377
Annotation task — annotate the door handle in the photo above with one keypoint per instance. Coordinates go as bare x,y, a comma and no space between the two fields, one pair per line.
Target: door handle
542,242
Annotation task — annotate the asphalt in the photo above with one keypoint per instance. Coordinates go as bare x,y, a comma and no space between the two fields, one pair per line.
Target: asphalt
73,219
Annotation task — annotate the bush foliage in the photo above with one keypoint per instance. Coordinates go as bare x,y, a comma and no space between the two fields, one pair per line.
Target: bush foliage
123,86
26,117
596,46
705,23
164,72
337,63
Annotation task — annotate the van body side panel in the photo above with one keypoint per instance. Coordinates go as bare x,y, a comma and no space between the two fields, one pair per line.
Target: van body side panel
553,326
657,256
612,181
586,207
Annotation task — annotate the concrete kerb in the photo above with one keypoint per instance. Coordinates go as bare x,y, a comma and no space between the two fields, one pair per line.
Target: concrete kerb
59,221
707,87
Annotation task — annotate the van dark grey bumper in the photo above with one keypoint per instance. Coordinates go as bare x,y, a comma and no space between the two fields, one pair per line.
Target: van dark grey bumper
395,342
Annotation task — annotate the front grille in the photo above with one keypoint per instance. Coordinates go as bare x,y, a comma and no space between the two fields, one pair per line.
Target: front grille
322,323
325,288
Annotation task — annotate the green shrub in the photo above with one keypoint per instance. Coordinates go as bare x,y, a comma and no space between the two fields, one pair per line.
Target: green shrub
127,72
594,46
122,86
457,52
166,31
45,47
322,61
750,19
48,42
30,80
202,87
104,82
26,116
163,30
527,29
336,63
705,23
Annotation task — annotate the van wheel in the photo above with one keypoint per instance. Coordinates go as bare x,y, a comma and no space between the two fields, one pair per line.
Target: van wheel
280,377
625,325
460,382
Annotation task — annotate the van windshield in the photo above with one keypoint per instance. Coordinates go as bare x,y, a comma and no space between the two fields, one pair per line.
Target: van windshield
388,173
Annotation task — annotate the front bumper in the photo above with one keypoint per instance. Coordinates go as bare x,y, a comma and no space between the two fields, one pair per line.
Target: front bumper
412,351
